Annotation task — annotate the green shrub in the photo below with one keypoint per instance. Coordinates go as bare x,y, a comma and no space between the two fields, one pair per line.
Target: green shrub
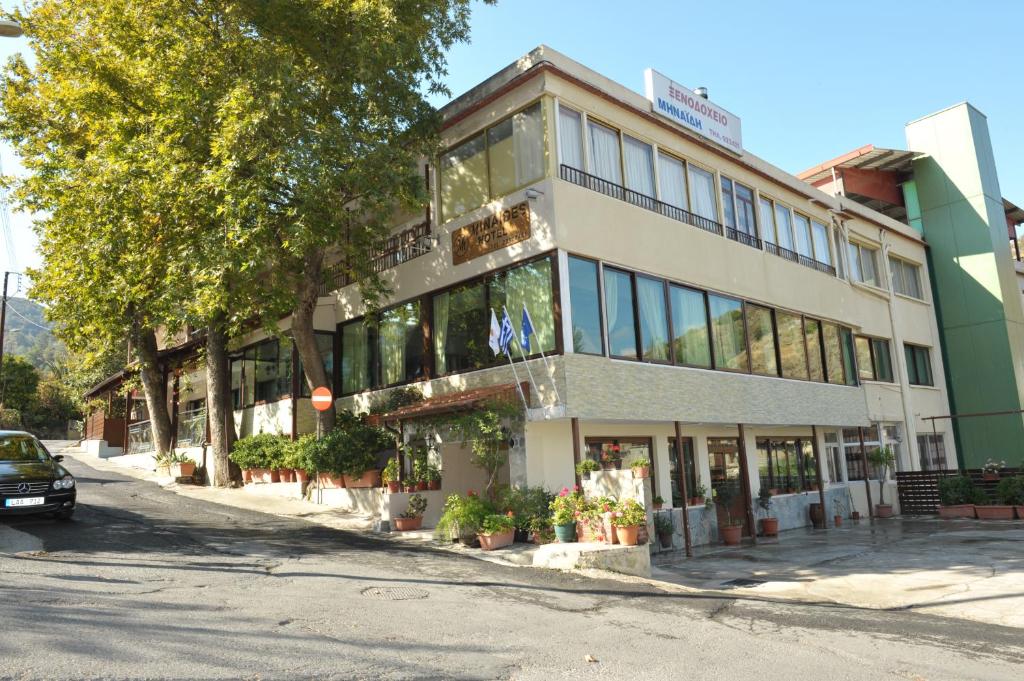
390,473
463,515
959,489
416,508
496,522
663,523
1010,491
528,505
350,449
566,507
587,466
264,450
629,513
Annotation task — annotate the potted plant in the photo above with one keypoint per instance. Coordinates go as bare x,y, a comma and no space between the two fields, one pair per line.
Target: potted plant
462,517
1011,491
837,518
991,469
611,458
412,518
700,492
497,531
663,528
586,467
958,496
733,528
390,475
262,454
657,502
641,467
182,466
419,472
883,459
564,510
994,511
629,516
769,524
589,525
433,477
295,458
605,507
163,465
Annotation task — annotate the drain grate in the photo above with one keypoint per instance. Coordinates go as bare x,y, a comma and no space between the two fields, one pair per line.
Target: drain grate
742,581
394,593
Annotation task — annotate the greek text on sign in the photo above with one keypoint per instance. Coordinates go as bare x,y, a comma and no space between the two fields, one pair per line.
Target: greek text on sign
680,105
495,231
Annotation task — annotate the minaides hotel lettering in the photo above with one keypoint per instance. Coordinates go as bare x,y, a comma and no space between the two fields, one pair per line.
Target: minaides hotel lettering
495,231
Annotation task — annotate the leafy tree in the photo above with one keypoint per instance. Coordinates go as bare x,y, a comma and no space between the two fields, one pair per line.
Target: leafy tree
19,383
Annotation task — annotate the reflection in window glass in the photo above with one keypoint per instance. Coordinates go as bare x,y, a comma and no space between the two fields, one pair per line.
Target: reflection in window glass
745,221
677,472
653,322
356,357
618,295
767,221
812,333
516,151
585,300
803,235
461,328
833,354
846,341
730,346
784,226
791,345
690,327
762,341
883,361
728,206
822,253
529,286
464,177
401,344
324,343
865,367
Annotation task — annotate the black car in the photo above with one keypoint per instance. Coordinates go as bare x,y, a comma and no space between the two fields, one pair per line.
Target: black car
31,480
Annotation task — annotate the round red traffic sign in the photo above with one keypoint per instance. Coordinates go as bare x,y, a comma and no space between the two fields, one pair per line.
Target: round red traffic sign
322,399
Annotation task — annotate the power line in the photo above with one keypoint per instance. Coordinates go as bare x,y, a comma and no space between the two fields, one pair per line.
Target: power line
24,318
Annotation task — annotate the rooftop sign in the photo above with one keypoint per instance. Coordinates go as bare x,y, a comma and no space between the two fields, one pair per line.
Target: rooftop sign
681,105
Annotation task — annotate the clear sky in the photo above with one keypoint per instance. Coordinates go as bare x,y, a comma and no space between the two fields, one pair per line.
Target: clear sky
809,80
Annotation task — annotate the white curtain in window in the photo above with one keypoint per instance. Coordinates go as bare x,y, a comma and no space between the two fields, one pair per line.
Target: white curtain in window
822,253
440,332
867,266
767,221
392,347
803,236
570,137
639,158
672,181
604,153
530,286
651,300
702,185
855,271
528,143
784,226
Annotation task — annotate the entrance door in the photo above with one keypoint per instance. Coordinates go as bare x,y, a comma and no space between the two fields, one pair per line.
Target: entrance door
726,482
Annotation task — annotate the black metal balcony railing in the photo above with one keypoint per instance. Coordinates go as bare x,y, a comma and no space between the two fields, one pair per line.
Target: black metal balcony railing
602,186
402,247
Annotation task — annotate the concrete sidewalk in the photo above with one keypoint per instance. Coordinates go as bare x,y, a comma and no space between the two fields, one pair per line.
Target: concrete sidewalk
956,568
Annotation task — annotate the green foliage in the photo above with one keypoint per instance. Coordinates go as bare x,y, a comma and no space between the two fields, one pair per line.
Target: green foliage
1011,491
416,508
18,387
264,450
529,506
350,449
390,472
764,499
463,516
496,523
959,489
657,499
639,462
629,513
663,523
725,495
396,398
587,466
566,507
483,429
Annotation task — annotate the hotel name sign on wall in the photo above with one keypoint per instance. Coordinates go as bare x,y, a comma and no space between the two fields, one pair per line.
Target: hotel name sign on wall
491,233
682,105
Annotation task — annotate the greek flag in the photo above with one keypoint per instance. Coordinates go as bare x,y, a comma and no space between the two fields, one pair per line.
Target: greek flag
527,331
507,333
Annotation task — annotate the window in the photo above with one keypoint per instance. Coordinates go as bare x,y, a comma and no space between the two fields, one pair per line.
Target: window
840,258
604,152
786,465
527,286
570,137
585,301
839,354
401,344
493,163
865,366
263,373
846,344
803,235
618,301
874,363
815,359
638,159
653,322
324,343
624,450
704,200
677,472
919,365
784,227
932,452
356,357
791,345
728,204
833,455
460,318
745,220
853,454
819,234
767,220
728,338
862,264
906,278
672,181
690,327
761,335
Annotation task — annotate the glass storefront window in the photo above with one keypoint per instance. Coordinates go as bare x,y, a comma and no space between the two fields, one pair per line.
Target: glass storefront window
728,339
677,471
401,344
816,362
791,345
618,301
356,357
762,341
585,300
461,323
653,322
690,327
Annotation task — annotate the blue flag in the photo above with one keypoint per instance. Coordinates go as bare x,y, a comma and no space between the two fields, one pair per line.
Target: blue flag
507,333
527,331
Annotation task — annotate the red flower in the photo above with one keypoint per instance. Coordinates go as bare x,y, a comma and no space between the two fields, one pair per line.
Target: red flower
510,514
575,488
564,492
470,493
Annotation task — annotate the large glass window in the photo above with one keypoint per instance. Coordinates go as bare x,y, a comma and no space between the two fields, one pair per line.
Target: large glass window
906,279
262,373
932,452
882,359
585,299
638,158
767,220
786,464
618,299
862,264
401,344
682,471
784,226
745,220
815,359
516,151
356,357
690,327
464,177
570,137
919,365
834,354
704,200
653,321
791,345
802,226
865,367
846,342
728,339
461,329
672,181
822,252
529,286
604,152
762,340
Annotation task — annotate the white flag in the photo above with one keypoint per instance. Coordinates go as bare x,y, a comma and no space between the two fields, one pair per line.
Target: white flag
495,332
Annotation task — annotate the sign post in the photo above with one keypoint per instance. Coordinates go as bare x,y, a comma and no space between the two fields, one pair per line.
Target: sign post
322,401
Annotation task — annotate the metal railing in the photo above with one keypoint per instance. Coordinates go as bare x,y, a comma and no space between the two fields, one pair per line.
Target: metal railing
407,245
742,237
192,428
140,438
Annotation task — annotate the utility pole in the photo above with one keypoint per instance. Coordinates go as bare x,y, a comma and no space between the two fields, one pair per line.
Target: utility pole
3,320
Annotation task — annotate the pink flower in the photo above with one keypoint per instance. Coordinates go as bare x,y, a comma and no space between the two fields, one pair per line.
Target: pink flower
617,514
576,513
564,492
575,488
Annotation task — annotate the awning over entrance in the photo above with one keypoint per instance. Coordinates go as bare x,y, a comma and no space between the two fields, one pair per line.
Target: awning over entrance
460,401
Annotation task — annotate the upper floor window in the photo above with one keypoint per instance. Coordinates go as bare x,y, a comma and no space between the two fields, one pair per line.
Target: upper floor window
906,278
863,264
784,227
619,311
638,158
919,365
262,373
704,199
874,362
570,137
493,163
802,225
605,159
585,301
672,181
819,239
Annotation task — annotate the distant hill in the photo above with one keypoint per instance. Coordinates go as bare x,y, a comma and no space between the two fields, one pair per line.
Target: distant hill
28,334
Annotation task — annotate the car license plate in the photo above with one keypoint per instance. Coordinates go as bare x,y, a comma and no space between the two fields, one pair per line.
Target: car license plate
26,501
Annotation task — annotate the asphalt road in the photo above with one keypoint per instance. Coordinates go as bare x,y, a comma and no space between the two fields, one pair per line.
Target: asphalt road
146,584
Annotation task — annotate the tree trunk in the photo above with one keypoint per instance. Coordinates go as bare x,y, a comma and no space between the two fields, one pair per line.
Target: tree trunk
304,335
218,397
155,388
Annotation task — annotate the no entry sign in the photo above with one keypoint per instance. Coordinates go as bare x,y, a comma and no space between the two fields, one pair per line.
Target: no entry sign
322,399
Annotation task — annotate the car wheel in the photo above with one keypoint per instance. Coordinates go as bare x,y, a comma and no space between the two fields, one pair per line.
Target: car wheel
65,515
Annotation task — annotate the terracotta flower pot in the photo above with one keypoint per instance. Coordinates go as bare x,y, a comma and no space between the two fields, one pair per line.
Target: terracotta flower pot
183,470
370,478
421,486
855,515
331,481
287,475
994,512
628,535
434,485
260,475
838,520
408,524
990,476
611,465
641,471
275,475
1020,512
657,507
611,534
883,510
696,501
498,540
730,534
393,487
301,476
956,511
409,487
246,475
769,527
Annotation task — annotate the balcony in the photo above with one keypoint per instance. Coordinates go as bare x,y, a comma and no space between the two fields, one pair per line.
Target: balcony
402,247
594,183
140,438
